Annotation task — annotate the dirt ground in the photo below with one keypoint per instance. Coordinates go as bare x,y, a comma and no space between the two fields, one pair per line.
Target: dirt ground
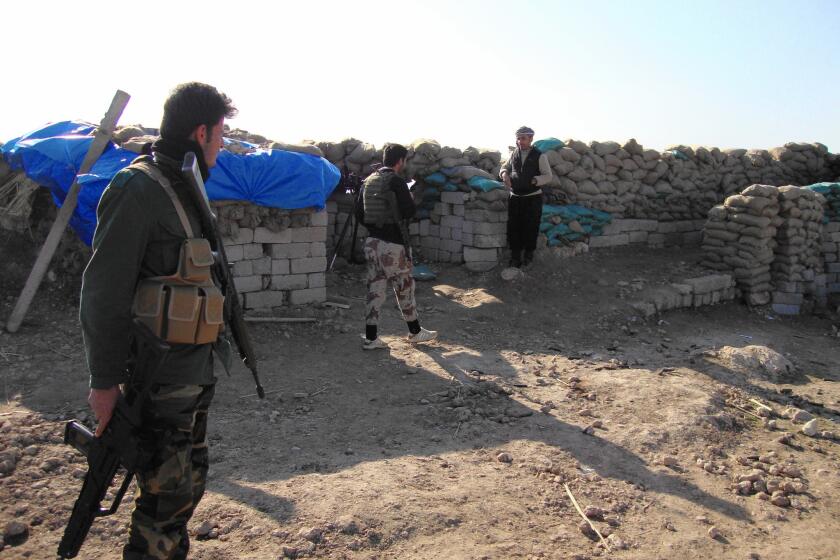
465,447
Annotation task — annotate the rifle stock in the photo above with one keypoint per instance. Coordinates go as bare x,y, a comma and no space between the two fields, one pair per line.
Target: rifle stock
233,310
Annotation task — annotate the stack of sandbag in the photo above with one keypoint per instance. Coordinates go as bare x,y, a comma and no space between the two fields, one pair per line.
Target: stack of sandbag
831,232
831,193
806,161
798,266
351,155
134,137
680,183
428,156
627,180
831,256
563,225
740,238
463,178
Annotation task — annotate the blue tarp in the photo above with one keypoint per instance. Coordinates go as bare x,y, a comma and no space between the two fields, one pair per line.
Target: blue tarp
547,144
483,184
52,155
591,221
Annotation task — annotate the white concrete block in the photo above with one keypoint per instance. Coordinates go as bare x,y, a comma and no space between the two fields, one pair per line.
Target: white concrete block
234,252
310,295
309,234
291,250
318,280
252,251
453,197
290,282
242,236
264,300
245,284
307,265
280,267
261,266
318,218
318,249
265,235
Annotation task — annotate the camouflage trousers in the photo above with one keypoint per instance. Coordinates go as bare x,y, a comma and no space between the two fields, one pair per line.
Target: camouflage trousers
387,263
169,489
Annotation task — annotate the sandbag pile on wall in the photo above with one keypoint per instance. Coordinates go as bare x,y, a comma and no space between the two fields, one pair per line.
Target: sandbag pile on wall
831,193
424,158
562,225
428,156
739,238
797,266
680,183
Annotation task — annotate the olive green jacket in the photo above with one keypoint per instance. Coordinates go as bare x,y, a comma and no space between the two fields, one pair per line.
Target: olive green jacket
138,235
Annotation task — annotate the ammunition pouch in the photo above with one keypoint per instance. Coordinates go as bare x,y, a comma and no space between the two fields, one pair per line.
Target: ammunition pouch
185,307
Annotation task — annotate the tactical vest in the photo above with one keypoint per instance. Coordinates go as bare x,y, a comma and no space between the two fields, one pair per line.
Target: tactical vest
379,199
526,170
185,307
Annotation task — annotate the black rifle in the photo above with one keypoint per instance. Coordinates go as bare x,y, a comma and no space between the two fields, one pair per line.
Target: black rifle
118,446
221,269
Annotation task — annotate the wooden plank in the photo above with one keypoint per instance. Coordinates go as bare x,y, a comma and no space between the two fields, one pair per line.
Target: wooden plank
281,319
36,275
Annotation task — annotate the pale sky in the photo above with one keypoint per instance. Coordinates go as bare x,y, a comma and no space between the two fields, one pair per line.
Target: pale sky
751,74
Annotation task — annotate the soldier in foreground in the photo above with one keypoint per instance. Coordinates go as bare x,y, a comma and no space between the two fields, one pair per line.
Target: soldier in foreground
150,261
387,203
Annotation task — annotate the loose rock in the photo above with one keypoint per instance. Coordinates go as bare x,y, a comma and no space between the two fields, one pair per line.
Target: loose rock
810,428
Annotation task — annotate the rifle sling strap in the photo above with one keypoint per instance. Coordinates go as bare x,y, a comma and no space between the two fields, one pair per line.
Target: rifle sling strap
155,173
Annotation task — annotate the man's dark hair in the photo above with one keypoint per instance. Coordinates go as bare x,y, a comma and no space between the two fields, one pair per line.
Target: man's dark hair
191,105
392,154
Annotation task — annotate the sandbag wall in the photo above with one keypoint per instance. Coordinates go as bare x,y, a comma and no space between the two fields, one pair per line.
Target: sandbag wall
654,198
279,256
830,246
680,183
769,238
797,268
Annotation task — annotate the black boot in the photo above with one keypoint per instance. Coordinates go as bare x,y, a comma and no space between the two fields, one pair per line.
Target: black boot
529,258
515,260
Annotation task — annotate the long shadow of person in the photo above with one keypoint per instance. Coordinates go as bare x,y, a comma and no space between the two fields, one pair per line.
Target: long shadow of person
606,458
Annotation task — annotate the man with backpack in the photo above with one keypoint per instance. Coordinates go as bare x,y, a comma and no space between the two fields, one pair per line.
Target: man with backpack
386,203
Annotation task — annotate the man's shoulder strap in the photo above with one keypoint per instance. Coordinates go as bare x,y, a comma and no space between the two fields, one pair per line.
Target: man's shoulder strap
146,165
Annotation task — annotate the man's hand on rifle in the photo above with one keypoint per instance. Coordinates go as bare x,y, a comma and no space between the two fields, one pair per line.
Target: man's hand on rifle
103,402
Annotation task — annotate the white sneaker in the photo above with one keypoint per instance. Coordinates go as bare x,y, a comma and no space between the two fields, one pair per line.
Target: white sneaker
374,344
424,335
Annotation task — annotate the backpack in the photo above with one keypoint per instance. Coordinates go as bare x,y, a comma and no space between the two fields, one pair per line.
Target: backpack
379,200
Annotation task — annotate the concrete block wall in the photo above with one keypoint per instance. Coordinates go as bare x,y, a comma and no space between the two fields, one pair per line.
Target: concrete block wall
276,266
652,233
692,292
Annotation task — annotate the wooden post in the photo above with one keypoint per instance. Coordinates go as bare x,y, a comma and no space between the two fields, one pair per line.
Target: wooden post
100,141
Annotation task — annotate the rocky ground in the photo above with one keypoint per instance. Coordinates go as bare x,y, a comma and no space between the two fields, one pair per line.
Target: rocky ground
541,390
